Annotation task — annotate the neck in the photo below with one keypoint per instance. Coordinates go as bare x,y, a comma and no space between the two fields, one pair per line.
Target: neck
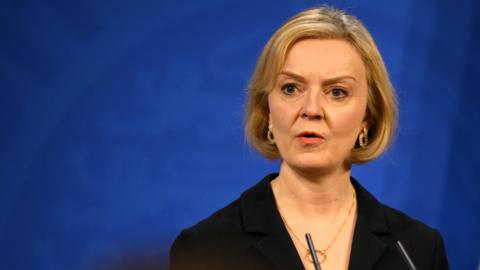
313,195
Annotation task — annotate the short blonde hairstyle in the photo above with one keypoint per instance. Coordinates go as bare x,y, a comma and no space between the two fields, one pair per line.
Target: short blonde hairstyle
323,23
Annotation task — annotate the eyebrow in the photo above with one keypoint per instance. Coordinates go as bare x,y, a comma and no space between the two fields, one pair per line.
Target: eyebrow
293,75
327,81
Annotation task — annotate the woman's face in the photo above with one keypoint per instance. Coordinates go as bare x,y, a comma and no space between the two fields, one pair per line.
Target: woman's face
318,104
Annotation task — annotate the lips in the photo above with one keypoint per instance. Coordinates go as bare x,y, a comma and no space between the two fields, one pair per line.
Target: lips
310,137
309,134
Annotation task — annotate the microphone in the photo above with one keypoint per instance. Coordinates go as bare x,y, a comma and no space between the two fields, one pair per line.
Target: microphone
316,263
405,256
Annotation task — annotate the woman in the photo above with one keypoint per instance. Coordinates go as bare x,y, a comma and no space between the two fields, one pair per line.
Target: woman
319,100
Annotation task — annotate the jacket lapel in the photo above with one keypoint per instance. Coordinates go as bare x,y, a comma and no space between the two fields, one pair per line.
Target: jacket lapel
260,216
280,251
367,247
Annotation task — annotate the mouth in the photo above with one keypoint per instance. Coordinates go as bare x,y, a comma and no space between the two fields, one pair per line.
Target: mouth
310,137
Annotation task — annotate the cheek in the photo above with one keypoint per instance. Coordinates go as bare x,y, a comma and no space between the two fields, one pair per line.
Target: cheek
347,122
282,114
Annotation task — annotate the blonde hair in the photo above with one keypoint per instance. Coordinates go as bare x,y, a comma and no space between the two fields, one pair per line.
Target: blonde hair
324,23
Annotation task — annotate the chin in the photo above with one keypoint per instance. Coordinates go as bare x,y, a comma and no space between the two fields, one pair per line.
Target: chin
312,164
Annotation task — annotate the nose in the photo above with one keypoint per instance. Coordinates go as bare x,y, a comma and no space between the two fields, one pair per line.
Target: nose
312,106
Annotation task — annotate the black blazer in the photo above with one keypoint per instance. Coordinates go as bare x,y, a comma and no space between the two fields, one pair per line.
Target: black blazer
249,234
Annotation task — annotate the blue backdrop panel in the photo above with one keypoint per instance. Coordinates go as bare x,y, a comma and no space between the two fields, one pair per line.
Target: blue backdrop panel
121,122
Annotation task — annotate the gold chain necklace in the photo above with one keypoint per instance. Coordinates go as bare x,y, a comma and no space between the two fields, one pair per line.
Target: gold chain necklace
321,253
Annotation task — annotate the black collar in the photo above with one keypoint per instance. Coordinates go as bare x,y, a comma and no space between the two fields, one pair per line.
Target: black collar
260,215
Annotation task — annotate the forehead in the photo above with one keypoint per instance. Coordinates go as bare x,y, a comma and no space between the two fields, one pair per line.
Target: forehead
324,57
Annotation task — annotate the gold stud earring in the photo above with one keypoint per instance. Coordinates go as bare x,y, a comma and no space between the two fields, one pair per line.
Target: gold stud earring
363,138
270,138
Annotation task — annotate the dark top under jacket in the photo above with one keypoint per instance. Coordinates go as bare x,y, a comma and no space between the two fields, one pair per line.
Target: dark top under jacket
249,234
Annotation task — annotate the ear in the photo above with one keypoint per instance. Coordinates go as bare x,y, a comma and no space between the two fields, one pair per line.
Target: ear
366,118
365,124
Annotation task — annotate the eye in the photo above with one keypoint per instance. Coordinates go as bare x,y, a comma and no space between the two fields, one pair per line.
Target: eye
289,89
338,93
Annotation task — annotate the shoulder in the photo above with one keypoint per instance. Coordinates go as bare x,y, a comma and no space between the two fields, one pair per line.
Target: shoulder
222,221
382,217
422,243
215,243
410,231
224,235
419,240
198,242
404,226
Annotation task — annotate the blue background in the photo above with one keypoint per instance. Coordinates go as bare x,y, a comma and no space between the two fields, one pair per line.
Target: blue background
121,122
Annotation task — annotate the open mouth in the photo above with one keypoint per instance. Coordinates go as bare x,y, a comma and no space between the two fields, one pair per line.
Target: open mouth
309,134
309,137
